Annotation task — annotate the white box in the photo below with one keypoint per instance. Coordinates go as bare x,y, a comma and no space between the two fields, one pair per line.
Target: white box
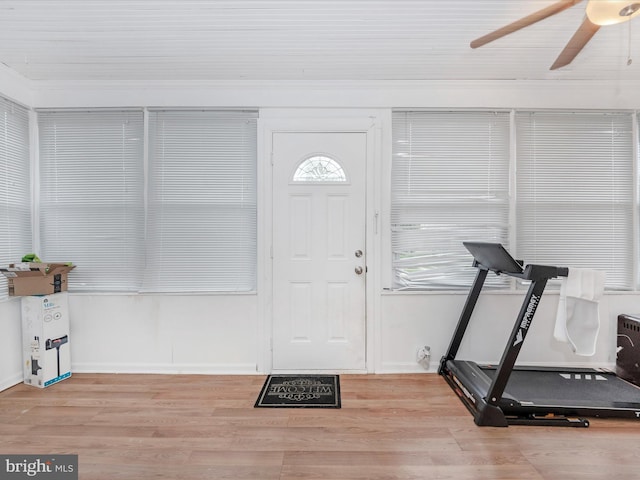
45,339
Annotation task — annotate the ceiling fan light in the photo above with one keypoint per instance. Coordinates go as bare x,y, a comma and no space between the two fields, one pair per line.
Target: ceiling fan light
610,12
630,9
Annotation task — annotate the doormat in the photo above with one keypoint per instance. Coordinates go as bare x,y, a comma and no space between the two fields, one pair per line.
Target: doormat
300,391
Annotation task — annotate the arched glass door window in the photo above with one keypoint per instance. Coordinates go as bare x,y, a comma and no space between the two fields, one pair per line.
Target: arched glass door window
319,168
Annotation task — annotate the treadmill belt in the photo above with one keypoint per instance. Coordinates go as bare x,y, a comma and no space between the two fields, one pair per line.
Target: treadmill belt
578,388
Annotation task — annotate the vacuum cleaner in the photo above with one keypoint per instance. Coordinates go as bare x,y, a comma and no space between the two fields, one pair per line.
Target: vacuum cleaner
56,343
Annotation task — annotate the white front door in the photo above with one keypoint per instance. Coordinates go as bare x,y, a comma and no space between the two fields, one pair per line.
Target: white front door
319,266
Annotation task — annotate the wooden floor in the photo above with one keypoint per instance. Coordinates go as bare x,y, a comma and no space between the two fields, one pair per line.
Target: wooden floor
182,427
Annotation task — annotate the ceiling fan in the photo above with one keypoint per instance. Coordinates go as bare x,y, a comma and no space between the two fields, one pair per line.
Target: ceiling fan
598,13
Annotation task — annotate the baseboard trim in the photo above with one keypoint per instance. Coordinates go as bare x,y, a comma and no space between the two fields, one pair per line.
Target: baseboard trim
169,369
11,381
405,367
410,367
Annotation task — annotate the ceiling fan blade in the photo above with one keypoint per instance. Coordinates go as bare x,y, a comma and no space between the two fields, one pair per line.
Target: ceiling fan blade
524,22
576,44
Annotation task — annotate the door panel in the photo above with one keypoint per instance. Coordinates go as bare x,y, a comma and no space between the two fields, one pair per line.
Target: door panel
318,225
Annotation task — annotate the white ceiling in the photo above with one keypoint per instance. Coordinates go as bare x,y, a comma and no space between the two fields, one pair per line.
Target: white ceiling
186,40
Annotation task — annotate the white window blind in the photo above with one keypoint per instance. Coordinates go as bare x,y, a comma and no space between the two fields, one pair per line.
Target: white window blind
15,186
450,183
202,201
575,191
92,196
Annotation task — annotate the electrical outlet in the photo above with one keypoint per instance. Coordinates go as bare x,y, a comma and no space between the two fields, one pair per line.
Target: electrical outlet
423,357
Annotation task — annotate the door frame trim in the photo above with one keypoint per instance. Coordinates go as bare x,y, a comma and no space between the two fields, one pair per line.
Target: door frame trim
309,121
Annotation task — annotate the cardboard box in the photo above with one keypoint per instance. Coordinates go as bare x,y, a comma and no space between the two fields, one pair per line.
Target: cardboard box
628,351
45,339
36,278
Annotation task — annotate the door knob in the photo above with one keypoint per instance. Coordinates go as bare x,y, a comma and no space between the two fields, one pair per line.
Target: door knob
358,253
359,270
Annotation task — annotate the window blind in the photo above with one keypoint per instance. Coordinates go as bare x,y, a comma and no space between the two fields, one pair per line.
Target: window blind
15,186
202,201
575,191
450,183
92,196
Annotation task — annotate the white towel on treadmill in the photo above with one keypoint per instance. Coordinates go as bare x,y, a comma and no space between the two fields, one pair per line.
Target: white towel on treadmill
578,317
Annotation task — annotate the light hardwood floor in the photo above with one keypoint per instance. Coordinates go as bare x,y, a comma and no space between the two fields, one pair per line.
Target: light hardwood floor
182,427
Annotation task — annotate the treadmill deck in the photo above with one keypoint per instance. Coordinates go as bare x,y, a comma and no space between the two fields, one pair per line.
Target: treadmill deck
589,388
576,391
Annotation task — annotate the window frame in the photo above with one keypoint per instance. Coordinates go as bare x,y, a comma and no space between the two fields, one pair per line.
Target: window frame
444,262
16,184
511,243
141,262
91,195
230,203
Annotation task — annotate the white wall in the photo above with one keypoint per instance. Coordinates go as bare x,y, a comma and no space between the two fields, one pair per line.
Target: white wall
410,320
168,334
226,333
344,94
15,87
10,343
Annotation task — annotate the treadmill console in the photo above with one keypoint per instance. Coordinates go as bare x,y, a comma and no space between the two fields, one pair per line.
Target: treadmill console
493,256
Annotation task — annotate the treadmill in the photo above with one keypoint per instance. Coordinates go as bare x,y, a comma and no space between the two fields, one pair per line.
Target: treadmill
502,395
